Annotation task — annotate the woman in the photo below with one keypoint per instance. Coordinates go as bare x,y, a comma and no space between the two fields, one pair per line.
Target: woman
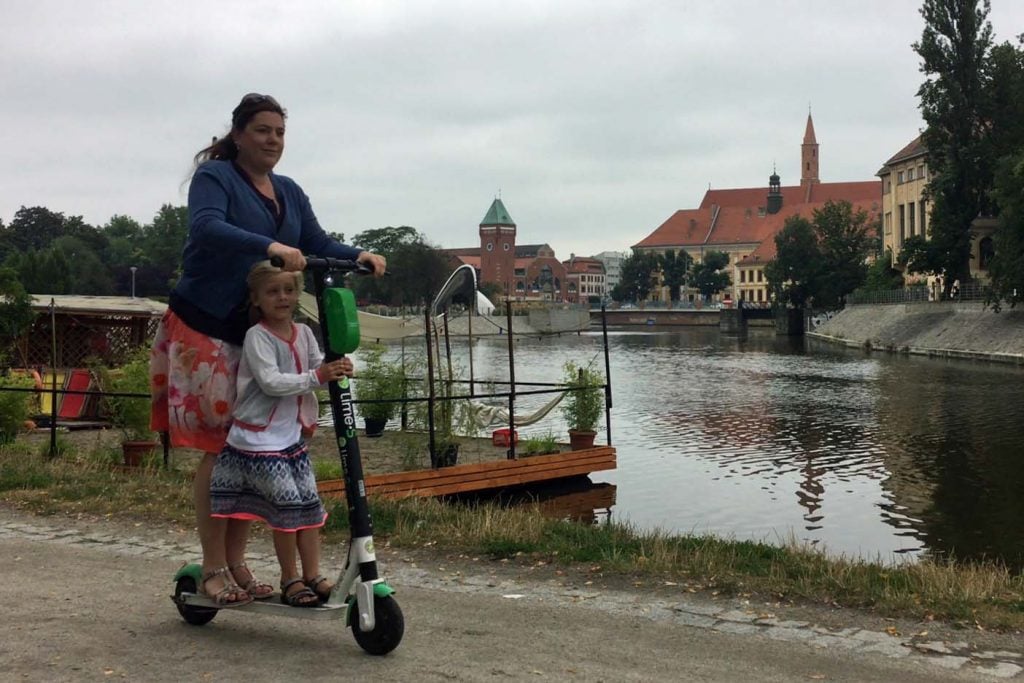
240,212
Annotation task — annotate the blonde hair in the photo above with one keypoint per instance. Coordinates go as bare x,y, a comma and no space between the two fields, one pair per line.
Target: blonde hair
263,271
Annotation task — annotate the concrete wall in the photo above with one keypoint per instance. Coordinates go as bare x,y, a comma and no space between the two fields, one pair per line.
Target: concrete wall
955,330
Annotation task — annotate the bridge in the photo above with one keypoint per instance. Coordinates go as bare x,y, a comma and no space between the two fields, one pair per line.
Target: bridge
667,317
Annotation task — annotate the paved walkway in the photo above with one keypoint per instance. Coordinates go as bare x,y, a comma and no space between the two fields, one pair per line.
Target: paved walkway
103,616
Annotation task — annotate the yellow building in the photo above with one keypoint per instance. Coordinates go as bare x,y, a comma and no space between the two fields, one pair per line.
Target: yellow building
906,211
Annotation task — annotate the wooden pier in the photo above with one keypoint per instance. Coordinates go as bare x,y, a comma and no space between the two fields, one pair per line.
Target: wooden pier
480,476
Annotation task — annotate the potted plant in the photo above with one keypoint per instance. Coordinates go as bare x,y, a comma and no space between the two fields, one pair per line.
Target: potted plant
378,380
131,414
582,404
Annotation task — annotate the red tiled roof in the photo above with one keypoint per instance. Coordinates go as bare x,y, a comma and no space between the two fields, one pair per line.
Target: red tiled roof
794,194
687,226
914,149
470,259
766,250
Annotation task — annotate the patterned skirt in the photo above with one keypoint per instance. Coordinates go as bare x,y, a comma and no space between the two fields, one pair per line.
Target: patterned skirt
192,381
276,487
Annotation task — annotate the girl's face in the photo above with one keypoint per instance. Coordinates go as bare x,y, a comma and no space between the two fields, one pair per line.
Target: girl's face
277,297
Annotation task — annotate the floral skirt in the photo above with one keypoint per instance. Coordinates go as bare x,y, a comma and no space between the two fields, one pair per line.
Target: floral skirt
276,487
192,380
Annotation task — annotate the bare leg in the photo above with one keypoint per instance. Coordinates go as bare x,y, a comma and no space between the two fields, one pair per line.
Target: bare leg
212,530
285,546
309,553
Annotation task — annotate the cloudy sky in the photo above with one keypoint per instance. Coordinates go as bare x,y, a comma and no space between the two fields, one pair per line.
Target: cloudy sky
594,120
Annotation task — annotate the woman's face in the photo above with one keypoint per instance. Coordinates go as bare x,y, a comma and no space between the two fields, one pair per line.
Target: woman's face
261,144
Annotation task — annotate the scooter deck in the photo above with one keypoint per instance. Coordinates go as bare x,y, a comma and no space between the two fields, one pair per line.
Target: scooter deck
271,605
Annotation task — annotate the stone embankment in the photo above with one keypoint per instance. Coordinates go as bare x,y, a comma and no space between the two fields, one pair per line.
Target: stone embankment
943,329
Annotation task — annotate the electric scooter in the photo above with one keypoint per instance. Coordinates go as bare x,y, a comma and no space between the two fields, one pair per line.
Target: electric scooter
360,596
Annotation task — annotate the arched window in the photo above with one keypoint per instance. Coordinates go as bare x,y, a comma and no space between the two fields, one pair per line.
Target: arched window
986,250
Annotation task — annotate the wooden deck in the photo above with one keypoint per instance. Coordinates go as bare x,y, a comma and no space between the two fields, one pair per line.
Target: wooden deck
480,476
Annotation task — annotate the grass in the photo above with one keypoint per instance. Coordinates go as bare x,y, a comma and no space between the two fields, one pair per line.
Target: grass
977,594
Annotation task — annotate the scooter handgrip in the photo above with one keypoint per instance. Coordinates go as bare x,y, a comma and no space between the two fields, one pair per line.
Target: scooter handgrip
277,261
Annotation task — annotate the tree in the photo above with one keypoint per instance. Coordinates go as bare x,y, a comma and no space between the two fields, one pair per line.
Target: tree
16,314
882,276
708,276
793,273
636,280
386,241
1007,268
954,49
845,238
675,266
161,247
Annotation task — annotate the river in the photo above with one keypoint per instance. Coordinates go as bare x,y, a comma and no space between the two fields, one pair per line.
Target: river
777,439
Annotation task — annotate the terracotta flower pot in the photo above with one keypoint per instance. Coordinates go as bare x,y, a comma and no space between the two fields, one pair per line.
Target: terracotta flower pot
135,451
581,440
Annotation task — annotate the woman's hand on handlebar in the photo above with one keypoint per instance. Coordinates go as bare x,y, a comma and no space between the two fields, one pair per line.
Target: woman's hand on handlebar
293,258
378,263
336,369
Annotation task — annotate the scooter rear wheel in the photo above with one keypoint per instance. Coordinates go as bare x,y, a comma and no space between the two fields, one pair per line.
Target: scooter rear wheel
197,616
388,629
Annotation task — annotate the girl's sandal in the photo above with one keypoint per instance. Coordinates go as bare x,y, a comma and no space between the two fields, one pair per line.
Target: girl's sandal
259,590
222,598
303,597
325,594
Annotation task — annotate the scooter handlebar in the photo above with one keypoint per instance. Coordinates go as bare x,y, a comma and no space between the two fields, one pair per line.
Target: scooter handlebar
328,263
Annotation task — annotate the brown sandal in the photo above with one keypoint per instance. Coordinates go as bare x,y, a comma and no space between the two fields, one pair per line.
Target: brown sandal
323,595
259,590
303,597
221,597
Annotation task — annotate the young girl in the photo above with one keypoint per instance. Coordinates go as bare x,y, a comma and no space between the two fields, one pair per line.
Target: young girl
263,472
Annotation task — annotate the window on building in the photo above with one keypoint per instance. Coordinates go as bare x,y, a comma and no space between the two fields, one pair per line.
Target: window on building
760,276
899,178
888,222
903,224
887,185
921,214
986,250
920,171
910,216
743,276
910,174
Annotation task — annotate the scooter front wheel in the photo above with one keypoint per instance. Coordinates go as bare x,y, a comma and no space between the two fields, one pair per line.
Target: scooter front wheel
388,629
197,616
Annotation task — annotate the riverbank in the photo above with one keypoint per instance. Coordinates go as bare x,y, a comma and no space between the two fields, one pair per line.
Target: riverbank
940,329
984,595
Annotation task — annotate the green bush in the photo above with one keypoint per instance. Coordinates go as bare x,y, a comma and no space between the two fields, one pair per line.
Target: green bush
378,379
14,405
130,414
582,407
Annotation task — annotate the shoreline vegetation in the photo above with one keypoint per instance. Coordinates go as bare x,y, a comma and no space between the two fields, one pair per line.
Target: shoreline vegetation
983,595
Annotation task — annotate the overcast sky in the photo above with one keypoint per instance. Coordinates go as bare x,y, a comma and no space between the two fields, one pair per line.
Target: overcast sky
594,120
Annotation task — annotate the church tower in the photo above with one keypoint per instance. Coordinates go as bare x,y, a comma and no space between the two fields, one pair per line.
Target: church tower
774,193
809,159
498,247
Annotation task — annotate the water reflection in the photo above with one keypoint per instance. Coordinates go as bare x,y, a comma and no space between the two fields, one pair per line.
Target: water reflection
577,499
776,439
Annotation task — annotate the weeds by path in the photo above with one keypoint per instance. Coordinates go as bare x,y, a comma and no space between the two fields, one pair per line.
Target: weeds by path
976,594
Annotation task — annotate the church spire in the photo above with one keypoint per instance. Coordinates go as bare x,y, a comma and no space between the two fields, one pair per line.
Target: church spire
809,159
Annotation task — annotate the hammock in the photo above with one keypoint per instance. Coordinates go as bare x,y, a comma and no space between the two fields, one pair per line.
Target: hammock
486,416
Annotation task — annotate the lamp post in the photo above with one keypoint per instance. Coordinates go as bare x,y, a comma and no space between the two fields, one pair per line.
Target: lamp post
133,269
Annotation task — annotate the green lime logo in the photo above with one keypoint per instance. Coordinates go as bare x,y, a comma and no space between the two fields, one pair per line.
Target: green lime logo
369,547
343,383
341,442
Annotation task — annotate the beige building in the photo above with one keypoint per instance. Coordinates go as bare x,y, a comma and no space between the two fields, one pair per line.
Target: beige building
906,210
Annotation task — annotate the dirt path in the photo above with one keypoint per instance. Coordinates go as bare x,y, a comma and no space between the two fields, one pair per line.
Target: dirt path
102,613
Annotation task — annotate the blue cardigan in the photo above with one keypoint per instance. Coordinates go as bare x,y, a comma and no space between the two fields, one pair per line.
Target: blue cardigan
230,229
